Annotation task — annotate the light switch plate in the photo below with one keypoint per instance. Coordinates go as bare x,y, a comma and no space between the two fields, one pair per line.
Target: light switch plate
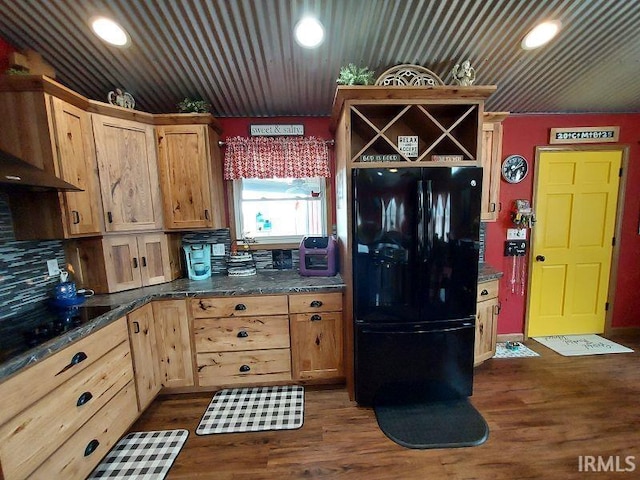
52,267
217,249
516,233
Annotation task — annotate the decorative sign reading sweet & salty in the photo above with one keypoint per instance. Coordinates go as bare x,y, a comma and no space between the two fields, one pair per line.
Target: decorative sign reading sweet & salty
275,130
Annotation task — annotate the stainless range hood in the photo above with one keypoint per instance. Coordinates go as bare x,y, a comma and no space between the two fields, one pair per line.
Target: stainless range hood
16,173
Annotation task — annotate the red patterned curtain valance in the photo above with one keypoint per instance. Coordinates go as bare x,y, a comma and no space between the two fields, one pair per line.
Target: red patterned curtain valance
275,157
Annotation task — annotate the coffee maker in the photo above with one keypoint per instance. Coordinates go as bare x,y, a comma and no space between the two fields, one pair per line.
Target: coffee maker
198,260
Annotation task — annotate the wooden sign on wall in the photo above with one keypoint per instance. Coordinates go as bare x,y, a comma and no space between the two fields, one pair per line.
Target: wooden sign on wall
584,135
275,130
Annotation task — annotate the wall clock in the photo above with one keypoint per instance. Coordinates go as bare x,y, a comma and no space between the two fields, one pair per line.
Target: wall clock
515,168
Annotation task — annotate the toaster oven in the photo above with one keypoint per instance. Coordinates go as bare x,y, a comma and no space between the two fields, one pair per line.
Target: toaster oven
319,256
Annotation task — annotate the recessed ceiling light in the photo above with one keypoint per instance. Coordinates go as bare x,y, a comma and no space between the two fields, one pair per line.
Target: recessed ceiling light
541,34
110,31
309,32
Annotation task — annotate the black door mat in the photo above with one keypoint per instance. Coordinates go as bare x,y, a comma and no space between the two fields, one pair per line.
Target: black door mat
142,456
441,424
236,410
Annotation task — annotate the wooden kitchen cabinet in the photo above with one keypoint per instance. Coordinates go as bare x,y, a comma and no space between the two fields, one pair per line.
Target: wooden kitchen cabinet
56,136
241,340
488,308
190,168
173,338
127,165
122,262
142,336
491,164
67,396
316,336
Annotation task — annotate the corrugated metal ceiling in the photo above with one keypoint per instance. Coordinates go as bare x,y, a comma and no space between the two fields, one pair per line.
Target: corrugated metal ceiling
241,57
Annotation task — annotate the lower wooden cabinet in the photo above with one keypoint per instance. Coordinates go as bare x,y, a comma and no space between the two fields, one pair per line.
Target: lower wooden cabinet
122,262
84,383
488,308
142,335
316,336
173,338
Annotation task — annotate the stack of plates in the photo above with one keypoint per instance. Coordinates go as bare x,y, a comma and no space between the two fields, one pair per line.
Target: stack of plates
241,265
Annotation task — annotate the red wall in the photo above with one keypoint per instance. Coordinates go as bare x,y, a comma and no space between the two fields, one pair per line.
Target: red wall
522,133
5,50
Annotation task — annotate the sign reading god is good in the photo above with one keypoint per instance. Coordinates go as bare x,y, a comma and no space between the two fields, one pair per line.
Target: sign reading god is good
584,135
275,130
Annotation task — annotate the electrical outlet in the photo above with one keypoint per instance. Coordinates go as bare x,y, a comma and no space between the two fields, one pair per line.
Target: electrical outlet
217,249
52,267
516,233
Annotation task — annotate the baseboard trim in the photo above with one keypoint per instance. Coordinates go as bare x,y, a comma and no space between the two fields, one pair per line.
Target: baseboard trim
622,331
510,337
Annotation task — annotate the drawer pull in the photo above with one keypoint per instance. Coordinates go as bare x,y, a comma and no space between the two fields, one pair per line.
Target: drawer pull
76,359
316,318
76,217
316,304
245,368
484,292
243,334
135,262
84,398
241,306
91,447
136,327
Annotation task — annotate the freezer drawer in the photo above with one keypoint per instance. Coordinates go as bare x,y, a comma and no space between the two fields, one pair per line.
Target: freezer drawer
423,362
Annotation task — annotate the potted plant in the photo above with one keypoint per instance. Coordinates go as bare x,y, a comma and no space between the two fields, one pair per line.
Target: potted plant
189,105
353,75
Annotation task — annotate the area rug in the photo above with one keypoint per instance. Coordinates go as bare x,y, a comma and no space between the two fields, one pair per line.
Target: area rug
575,345
522,351
442,424
256,409
142,456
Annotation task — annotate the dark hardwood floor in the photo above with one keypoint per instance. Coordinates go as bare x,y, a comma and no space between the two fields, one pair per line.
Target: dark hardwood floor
543,414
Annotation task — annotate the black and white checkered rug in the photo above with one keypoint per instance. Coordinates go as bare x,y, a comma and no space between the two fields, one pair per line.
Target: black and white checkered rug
142,456
256,409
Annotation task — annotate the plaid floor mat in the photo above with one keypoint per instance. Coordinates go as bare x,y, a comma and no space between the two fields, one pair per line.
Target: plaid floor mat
142,456
522,351
256,409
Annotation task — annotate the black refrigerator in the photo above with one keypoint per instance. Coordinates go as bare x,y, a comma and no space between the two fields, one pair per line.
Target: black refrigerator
415,272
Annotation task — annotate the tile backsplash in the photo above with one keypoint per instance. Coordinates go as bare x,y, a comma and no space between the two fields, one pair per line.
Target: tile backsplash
23,267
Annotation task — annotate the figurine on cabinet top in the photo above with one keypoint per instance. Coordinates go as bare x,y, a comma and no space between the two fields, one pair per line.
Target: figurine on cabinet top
464,74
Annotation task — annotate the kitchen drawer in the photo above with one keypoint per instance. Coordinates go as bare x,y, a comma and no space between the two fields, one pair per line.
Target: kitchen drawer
239,306
246,333
32,436
104,429
487,290
28,386
224,368
312,302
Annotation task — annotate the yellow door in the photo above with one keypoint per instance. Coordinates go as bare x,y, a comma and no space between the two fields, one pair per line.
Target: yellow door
575,203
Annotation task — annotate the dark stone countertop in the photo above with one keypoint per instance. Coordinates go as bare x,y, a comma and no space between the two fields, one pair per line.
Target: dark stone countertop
486,273
265,282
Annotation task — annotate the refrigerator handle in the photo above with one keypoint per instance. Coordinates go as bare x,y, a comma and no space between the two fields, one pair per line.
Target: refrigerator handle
421,220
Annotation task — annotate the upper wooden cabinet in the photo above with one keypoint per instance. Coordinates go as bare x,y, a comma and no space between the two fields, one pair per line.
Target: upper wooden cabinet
409,126
56,136
127,163
491,162
190,176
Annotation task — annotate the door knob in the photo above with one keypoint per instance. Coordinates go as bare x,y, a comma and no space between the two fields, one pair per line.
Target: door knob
540,258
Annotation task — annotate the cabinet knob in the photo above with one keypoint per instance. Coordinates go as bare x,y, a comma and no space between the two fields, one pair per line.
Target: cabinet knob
144,261
84,398
316,318
242,334
109,217
540,258
493,207
315,304
91,447
484,292
206,214
245,368
76,359
240,307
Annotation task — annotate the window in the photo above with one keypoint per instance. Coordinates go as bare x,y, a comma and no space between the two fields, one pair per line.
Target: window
280,210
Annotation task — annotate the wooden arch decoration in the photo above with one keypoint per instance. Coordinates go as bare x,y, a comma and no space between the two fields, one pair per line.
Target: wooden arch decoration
408,75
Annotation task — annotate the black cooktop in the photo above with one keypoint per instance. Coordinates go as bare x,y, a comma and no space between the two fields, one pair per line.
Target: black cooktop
34,327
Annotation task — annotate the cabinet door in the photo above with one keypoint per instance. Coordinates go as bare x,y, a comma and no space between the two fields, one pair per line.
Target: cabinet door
76,165
185,174
153,258
486,329
491,162
142,336
127,163
174,343
122,265
316,345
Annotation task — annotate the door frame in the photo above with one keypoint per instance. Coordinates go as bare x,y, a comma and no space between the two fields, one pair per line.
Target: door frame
615,254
